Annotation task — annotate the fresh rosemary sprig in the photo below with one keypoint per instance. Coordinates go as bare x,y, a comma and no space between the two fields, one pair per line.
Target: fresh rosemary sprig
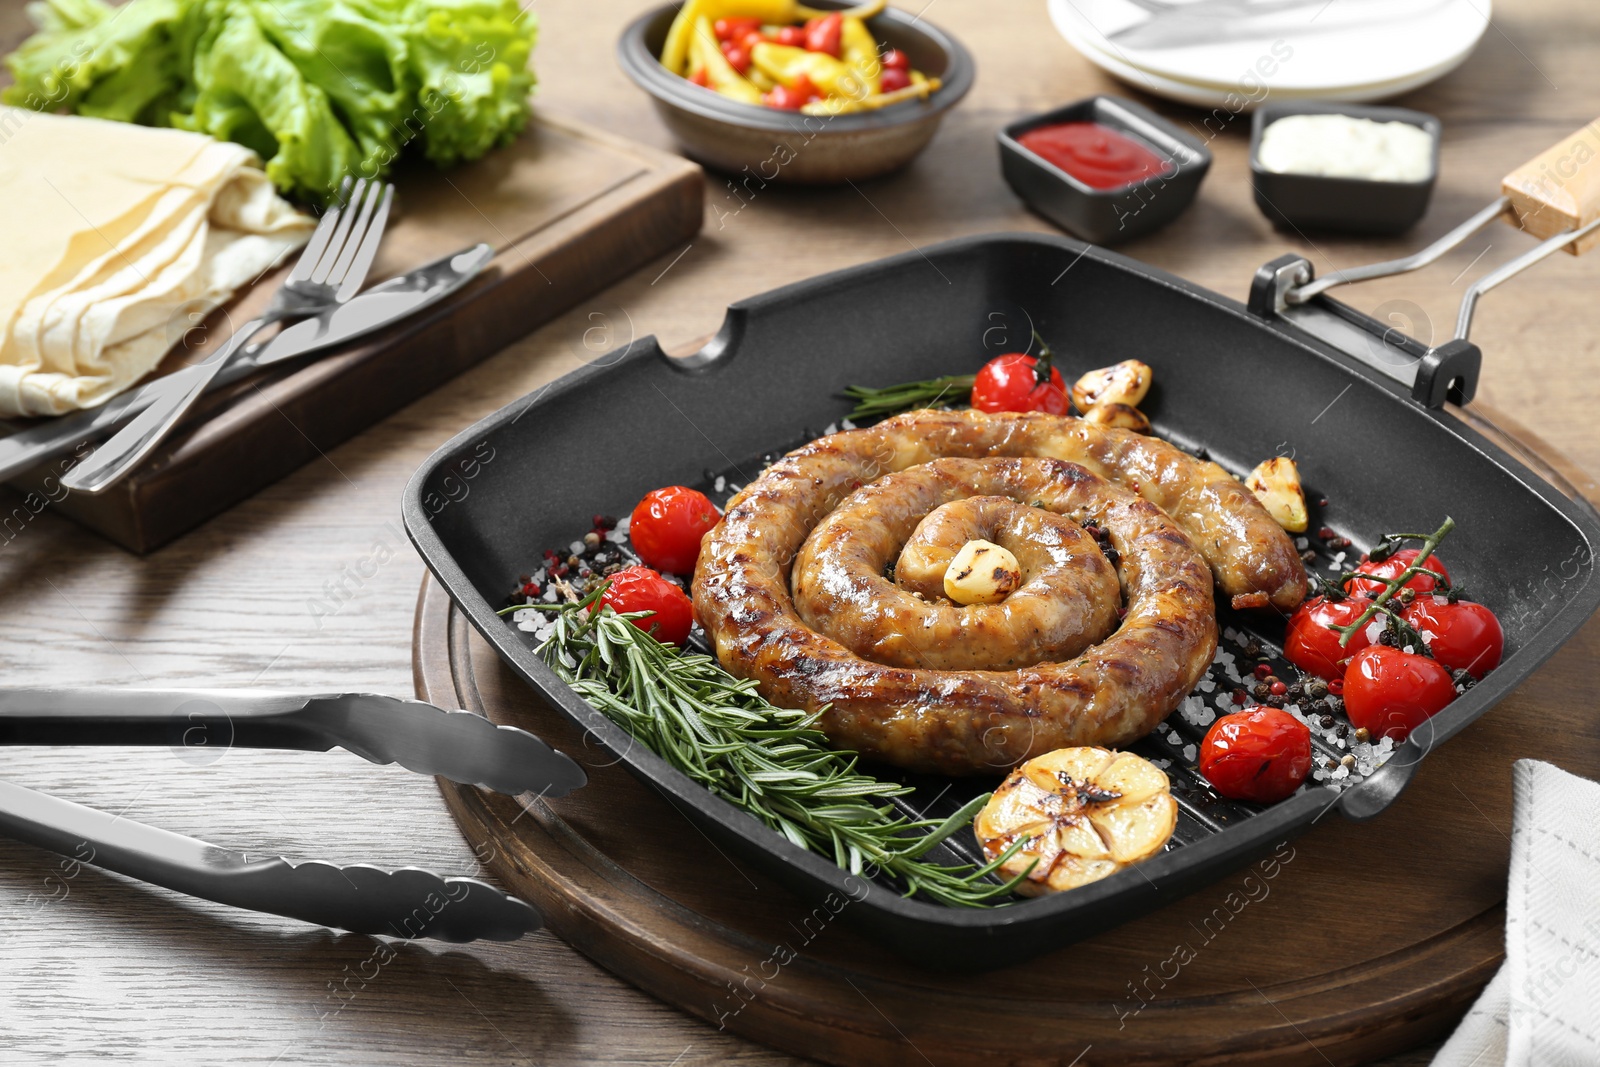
893,399
1384,549
769,761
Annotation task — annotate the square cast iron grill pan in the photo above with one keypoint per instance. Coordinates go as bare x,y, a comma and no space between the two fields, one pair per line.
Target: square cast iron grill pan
484,507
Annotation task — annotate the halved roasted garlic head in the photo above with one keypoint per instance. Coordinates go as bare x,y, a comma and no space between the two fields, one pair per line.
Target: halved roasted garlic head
1084,813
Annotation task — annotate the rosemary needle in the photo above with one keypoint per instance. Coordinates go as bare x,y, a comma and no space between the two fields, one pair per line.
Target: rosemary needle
769,761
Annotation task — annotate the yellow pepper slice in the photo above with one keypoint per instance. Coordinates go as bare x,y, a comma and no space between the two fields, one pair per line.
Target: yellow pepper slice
788,65
720,74
839,105
859,51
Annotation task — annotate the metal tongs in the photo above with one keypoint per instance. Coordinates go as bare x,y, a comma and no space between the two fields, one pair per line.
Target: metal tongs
407,903
1554,196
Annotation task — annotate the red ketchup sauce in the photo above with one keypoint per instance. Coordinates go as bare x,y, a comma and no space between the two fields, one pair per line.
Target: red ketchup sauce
1096,155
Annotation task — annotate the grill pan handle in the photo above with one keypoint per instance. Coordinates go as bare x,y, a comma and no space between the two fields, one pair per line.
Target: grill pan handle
1448,372
1554,196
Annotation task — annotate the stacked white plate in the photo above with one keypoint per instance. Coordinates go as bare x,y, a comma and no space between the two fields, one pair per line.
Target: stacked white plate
1237,54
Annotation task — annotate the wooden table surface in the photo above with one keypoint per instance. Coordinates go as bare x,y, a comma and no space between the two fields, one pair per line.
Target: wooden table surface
311,584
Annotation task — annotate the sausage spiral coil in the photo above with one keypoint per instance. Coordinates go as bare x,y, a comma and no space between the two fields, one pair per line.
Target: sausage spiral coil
792,585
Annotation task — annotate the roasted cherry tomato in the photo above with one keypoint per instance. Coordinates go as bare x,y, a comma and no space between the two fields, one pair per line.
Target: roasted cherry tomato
1463,636
1391,692
1312,646
642,589
1391,568
738,55
822,34
735,29
894,59
667,525
792,97
893,78
793,36
1259,754
1011,383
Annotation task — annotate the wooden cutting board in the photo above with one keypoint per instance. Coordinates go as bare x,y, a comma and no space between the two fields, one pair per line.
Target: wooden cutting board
1358,941
569,210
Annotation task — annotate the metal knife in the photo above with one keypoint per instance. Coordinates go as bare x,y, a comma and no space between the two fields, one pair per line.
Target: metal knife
407,903
381,305
457,745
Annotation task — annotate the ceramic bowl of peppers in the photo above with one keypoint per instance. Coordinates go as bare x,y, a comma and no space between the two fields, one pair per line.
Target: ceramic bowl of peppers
774,91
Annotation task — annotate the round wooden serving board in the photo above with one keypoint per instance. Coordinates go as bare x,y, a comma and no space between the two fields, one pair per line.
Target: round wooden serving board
1358,942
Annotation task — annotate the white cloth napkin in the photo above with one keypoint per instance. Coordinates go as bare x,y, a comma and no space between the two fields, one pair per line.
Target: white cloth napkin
1543,1007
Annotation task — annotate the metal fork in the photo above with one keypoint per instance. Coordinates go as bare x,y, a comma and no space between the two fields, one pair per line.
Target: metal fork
330,271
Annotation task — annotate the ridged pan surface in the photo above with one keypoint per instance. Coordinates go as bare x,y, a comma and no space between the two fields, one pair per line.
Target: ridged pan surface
486,505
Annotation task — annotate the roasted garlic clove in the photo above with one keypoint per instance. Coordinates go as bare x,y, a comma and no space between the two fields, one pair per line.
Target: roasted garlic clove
982,573
1125,383
1276,483
1123,416
1085,813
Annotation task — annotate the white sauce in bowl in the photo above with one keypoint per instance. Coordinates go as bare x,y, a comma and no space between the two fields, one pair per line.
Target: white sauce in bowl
1338,146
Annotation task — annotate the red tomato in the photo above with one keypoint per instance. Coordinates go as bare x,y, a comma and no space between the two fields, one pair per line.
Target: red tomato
1391,692
793,36
792,97
894,59
1391,568
1011,383
1463,636
699,78
735,29
642,589
892,79
822,34
738,56
667,525
1260,754
1312,646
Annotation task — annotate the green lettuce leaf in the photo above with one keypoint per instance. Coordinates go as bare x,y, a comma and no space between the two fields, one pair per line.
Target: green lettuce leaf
321,89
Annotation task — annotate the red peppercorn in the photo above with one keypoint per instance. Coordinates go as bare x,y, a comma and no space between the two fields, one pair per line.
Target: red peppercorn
1278,688
1263,669
1325,533
1336,686
1240,698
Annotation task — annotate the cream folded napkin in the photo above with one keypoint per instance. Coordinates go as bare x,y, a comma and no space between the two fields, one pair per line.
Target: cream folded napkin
1543,1007
119,238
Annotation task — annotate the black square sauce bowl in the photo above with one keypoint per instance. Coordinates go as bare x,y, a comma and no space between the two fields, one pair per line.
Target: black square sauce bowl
1107,216
1353,205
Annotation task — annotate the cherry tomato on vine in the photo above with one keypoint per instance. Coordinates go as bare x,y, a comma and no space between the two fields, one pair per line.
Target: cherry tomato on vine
1391,692
1312,646
1462,636
642,589
1011,383
1391,568
1259,754
667,525
793,36
894,59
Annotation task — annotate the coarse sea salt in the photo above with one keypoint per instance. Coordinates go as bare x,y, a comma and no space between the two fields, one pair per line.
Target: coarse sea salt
1189,753
720,484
